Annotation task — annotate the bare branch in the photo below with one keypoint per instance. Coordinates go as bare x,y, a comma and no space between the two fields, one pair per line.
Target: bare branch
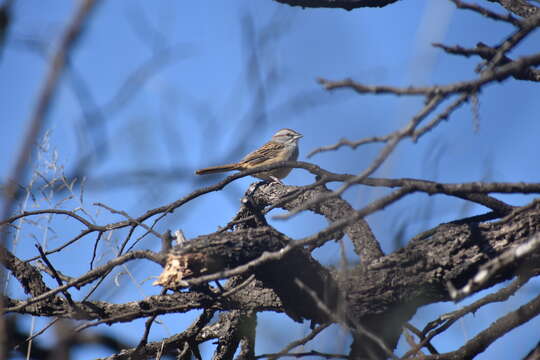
442,116
518,7
29,277
499,328
488,53
197,332
296,343
89,276
385,152
72,214
252,298
499,74
343,4
54,273
527,26
487,13
355,327
310,354
490,269
443,322
351,144
290,197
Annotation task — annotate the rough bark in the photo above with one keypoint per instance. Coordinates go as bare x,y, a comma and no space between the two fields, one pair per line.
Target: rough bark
221,251
254,298
383,294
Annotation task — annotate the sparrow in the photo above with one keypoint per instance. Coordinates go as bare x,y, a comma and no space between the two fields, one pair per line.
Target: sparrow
283,146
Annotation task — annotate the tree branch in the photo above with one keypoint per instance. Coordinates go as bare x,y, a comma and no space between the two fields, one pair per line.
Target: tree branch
340,4
499,328
518,7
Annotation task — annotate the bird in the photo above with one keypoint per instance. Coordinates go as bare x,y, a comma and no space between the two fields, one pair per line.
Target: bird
283,146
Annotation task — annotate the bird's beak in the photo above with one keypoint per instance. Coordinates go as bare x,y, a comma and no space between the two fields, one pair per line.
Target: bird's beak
296,137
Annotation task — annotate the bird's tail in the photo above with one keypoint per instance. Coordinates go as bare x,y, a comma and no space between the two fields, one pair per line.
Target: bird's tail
217,169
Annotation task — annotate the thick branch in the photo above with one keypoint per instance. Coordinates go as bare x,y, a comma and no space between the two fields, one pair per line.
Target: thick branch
88,277
450,252
290,197
340,4
387,293
252,298
221,251
29,277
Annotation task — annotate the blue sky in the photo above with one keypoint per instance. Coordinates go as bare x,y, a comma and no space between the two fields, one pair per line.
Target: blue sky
216,98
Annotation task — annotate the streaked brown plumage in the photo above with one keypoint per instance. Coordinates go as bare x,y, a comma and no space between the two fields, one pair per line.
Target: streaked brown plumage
283,146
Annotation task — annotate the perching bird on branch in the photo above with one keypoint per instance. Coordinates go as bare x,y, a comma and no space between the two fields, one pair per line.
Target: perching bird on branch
282,147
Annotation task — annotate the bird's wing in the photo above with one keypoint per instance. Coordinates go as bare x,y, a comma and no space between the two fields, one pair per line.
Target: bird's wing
261,155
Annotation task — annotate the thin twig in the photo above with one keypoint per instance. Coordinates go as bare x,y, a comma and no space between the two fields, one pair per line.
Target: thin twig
385,152
295,343
502,73
356,327
497,329
487,13
54,273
